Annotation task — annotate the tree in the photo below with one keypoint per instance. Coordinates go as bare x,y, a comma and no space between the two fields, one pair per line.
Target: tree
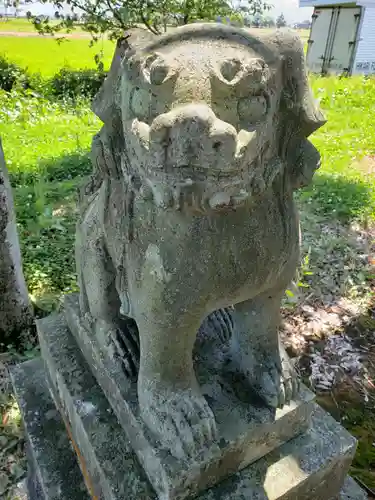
268,22
14,5
281,21
255,21
15,308
114,17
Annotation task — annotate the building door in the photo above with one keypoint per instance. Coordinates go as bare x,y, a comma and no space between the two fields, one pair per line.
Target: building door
344,40
320,34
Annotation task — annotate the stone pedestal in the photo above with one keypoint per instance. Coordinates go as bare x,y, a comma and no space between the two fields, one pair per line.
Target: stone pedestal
87,449
248,430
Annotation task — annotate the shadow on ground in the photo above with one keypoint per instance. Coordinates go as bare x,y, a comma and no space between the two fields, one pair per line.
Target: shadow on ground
341,198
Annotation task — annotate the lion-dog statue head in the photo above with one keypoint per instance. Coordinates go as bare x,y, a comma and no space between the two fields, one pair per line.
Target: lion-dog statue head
218,119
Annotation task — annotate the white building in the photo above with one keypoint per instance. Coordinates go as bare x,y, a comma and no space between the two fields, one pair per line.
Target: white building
342,36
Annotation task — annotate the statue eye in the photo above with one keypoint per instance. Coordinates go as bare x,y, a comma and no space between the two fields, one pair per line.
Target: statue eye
252,109
155,69
230,68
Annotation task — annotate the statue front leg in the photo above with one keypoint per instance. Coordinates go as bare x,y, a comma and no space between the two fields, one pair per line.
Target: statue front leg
170,399
257,350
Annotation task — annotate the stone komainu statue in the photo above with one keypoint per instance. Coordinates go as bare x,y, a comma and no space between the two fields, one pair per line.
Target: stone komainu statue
190,211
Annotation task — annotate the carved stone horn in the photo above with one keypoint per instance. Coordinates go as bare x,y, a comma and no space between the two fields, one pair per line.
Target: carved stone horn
105,104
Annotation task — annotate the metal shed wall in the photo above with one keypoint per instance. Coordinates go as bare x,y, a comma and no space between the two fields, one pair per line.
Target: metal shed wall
364,60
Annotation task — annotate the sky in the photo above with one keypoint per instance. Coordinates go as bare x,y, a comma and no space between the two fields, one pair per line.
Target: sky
289,8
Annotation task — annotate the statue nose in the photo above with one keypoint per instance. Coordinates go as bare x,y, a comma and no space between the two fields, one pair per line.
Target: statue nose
194,119
192,134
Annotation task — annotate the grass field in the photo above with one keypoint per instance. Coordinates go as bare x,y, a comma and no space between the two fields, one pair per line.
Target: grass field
47,57
21,25
47,144
345,186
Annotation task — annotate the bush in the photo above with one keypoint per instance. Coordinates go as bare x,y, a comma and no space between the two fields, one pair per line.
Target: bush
66,84
76,83
11,75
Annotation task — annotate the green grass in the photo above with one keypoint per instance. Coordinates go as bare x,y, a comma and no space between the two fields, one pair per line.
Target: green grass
20,25
46,56
342,187
46,148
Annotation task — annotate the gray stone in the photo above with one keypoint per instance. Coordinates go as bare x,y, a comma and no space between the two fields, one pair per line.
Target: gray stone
53,469
311,466
94,429
247,428
194,213
352,491
15,309
103,104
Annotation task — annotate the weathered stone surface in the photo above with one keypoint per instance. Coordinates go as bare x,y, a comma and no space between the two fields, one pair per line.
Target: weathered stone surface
104,102
310,467
15,310
247,429
104,449
190,210
352,491
53,469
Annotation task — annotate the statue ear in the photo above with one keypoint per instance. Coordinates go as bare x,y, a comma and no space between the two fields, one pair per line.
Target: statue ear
297,102
299,113
105,103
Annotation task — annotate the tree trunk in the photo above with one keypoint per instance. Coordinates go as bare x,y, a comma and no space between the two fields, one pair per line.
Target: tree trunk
15,309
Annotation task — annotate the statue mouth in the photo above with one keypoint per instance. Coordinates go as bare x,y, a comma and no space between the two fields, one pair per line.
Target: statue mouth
188,157
199,157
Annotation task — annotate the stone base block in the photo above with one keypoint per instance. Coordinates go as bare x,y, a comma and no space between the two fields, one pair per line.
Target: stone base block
53,470
312,466
247,429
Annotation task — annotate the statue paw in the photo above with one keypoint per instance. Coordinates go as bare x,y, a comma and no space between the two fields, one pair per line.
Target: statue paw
182,420
271,375
125,344
280,383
